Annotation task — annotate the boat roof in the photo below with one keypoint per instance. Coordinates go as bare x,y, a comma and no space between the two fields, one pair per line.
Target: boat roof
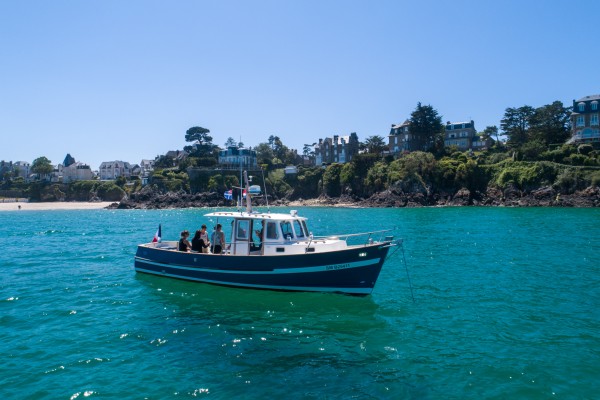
256,215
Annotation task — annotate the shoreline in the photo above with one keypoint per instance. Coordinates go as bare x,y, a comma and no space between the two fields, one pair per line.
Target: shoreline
54,205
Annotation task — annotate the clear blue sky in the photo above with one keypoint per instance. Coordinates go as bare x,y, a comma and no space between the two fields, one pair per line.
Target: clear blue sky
123,80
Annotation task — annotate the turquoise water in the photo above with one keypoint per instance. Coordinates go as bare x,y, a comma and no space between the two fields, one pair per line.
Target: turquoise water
506,306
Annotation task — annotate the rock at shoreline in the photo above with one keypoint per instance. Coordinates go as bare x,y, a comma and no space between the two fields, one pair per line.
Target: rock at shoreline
395,197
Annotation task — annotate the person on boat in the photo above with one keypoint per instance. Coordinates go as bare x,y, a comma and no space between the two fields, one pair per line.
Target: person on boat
218,240
200,242
184,244
259,233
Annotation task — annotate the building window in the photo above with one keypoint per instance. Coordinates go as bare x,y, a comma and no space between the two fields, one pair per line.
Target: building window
594,106
594,120
581,107
580,121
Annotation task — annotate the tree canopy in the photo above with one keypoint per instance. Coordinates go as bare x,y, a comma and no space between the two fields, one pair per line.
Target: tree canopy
230,142
515,125
426,127
198,134
549,124
203,146
41,165
374,145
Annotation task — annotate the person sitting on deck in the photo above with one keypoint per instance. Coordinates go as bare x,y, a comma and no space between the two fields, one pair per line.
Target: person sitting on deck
184,244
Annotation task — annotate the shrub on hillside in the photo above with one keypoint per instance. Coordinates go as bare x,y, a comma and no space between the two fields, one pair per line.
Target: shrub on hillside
108,191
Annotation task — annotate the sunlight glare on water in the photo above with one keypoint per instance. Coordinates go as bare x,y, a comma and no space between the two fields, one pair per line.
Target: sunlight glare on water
506,306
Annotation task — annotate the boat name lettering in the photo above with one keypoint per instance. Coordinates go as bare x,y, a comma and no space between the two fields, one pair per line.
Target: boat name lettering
336,266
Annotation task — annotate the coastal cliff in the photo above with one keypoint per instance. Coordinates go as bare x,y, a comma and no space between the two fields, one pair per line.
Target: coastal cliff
509,197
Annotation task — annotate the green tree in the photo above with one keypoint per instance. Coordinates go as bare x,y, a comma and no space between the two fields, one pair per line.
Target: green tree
515,125
42,166
274,142
550,124
203,145
309,150
375,145
230,142
264,154
426,128
331,180
490,132
198,134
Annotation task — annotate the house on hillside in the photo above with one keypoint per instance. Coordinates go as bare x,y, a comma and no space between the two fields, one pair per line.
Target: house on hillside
338,149
22,168
400,139
76,171
464,136
110,170
584,120
236,158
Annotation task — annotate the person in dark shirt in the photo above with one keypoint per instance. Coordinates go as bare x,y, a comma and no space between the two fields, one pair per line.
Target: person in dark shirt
200,242
184,244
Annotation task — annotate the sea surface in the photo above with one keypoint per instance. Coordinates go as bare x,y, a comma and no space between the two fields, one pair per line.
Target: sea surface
506,306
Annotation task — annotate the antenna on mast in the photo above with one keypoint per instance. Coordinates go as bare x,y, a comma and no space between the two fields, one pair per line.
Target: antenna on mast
265,189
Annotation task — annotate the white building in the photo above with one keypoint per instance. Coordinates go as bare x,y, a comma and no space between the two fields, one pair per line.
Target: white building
77,172
110,170
23,169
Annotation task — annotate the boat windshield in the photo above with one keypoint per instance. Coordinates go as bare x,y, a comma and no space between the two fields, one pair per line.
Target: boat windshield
286,229
298,229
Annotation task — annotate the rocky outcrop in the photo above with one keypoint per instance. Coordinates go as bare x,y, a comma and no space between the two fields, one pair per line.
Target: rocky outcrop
395,197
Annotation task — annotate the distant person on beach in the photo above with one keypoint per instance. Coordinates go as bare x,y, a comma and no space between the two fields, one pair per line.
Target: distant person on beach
184,244
200,242
218,240
19,206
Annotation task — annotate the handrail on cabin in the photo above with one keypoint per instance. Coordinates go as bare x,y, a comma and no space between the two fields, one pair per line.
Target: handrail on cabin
353,234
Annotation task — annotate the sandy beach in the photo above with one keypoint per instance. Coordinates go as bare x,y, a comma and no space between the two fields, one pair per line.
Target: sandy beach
58,205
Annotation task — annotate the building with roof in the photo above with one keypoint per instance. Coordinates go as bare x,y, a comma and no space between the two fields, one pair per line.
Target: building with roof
110,170
400,139
464,136
236,158
76,171
338,149
584,120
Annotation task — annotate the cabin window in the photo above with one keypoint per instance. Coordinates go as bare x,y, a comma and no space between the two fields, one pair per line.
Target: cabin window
305,227
272,232
286,229
298,229
243,227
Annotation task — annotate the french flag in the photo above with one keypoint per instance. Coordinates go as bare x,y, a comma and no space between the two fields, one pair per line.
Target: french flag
157,235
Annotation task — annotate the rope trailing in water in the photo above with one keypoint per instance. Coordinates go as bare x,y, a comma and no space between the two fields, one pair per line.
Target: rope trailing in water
407,274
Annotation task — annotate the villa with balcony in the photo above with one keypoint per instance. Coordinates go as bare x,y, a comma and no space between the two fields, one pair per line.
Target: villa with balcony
584,120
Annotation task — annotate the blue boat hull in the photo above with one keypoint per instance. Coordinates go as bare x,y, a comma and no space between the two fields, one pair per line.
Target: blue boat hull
352,271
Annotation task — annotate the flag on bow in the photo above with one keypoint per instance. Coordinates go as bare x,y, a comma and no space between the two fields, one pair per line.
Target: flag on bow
157,235
229,194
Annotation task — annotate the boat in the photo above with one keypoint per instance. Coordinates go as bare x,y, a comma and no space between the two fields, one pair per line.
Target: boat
275,251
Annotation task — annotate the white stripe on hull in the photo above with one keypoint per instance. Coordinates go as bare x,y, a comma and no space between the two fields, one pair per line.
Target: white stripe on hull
278,271
271,287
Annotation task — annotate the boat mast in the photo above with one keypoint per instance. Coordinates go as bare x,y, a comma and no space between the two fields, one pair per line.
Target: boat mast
247,188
